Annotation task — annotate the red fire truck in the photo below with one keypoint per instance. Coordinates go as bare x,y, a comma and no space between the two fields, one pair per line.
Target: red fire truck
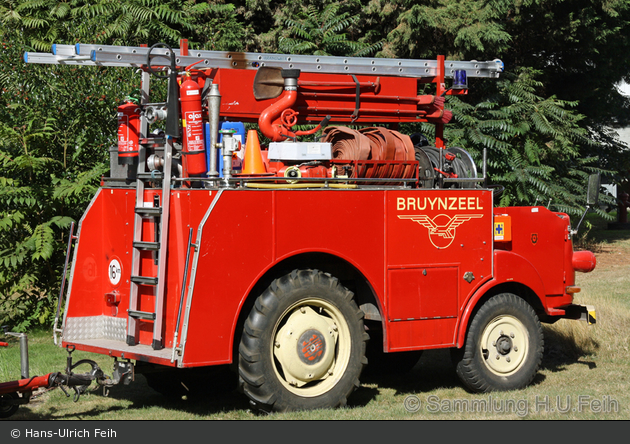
281,250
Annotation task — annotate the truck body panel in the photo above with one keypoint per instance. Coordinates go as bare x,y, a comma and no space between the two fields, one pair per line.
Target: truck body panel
415,248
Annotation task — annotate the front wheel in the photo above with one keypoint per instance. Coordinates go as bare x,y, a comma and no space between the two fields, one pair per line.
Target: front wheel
504,346
303,344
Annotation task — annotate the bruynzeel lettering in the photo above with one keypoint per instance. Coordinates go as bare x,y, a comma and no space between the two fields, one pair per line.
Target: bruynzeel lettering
438,203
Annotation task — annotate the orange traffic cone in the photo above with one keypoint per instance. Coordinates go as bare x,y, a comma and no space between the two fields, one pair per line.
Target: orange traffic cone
253,160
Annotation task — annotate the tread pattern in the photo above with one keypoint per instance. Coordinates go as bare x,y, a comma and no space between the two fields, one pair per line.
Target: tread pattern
258,378
472,370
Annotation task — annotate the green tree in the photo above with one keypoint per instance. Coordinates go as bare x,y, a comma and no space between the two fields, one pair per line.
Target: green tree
51,158
578,45
28,217
546,122
115,22
459,29
534,143
324,32
575,45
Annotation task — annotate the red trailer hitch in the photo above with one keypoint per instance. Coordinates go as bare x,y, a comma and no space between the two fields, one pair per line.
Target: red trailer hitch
19,392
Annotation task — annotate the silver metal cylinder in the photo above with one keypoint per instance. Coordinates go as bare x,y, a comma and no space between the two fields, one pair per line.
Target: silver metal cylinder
154,113
214,106
24,355
155,162
290,84
228,146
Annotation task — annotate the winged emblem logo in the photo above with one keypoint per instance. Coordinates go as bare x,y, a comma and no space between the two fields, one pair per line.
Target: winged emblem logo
442,228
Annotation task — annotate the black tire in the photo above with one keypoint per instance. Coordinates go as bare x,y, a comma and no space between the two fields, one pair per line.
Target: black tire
8,410
504,346
303,344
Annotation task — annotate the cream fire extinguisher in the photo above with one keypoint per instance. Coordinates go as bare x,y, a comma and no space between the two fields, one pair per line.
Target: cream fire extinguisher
128,132
192,123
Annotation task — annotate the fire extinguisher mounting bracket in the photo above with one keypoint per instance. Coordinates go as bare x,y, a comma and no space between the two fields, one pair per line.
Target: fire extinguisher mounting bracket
172,100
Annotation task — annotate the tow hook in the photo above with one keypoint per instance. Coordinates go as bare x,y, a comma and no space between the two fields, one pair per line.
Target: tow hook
78,382
19,392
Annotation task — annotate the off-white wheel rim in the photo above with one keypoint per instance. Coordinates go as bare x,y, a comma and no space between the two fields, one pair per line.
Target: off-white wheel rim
504,345
311,347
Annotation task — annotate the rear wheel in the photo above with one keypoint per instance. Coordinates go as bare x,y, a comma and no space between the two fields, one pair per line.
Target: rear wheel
504,346
303,345
7,410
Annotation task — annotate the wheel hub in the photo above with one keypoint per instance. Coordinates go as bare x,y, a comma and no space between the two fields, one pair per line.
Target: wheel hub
305,346
311,347
504,345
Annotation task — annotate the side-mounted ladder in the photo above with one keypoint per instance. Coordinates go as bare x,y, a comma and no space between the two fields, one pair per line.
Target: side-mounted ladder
136,57
157,210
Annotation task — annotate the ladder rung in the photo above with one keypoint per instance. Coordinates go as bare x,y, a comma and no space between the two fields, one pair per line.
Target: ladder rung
153,246
149,211
305,63
156,175
142,315
144,280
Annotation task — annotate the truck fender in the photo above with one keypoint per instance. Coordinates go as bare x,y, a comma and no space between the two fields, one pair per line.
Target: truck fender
324,260
509,268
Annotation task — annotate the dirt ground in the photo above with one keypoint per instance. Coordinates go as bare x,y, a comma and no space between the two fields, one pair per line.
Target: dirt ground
610,255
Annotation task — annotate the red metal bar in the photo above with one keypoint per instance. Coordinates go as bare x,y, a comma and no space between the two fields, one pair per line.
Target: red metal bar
25,385
306,83
395,112
418,100
183,47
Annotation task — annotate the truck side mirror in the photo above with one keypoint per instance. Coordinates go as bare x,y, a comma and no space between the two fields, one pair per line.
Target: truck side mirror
592,193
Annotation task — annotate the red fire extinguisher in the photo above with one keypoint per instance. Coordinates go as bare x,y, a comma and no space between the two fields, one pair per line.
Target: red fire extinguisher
192,122
128,132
